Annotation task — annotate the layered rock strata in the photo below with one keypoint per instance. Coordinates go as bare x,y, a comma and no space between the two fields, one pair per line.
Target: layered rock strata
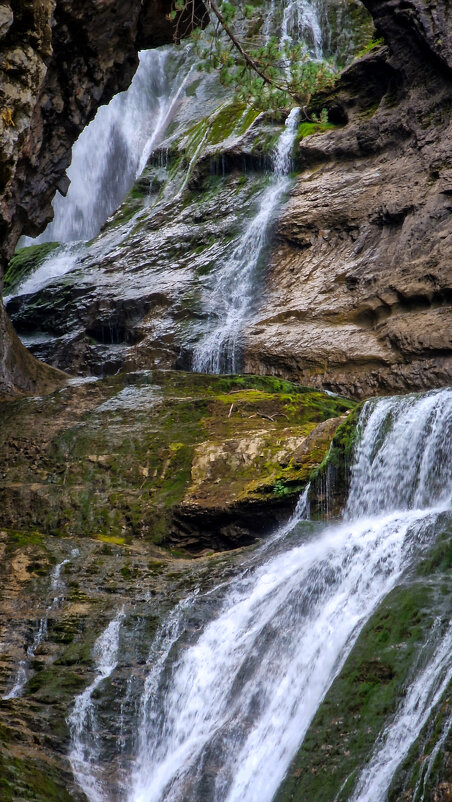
359,284
182,460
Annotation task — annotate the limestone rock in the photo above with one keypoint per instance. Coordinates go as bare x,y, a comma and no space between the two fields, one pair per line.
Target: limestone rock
59,61
359,285
180,459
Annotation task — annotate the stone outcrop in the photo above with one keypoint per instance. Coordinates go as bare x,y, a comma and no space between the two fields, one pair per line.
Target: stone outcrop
59,61
179,459
359,286
356,296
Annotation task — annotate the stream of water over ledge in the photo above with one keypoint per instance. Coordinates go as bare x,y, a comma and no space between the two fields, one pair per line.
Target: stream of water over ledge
235,675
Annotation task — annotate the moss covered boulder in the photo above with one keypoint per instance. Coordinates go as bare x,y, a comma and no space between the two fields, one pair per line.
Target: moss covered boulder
198,461
24,262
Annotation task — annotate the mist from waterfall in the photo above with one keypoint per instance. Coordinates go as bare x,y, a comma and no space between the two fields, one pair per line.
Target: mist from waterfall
113,150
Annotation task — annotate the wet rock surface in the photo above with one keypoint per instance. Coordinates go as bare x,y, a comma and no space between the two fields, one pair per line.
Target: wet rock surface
59,62
199,462
355,294
370,687
359,285
97,577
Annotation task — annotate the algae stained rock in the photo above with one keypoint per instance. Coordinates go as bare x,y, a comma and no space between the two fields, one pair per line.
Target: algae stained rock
201,461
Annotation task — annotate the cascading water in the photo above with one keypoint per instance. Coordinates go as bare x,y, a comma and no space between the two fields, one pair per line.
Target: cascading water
300,22
423,695
231,299
81,720
57,588
113,150
230,694
108,157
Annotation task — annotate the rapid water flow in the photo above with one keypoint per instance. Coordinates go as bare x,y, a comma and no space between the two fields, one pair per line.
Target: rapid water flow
230,300
113,150
422,695
227,701
84,751
301,22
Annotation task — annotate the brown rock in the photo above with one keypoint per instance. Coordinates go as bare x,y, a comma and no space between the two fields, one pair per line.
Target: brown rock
360,277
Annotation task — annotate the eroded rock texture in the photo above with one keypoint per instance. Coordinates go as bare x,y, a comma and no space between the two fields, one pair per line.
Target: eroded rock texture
356,297
59,61
178,459
360,281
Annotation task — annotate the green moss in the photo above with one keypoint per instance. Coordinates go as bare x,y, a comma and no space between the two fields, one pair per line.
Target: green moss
361,699
25,261
30,779
368,47
126,479
111,539
440,557
421,769
308,129
333,475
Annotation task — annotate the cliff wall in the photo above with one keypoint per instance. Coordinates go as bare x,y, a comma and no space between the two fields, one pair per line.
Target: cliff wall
359,287
356,291
59,61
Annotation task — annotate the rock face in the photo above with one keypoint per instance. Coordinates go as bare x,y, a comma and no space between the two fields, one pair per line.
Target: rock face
356,295
193,461
73,587
59,61
359,285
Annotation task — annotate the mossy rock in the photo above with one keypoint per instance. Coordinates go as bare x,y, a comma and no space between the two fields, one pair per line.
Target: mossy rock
372,683
309,128
330,481
361,700
24,262
119,458
23,779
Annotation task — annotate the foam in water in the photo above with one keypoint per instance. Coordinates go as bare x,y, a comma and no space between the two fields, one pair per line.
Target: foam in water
231,299
83,753
223,713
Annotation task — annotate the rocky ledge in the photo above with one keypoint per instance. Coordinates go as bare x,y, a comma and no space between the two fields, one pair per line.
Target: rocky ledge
193,461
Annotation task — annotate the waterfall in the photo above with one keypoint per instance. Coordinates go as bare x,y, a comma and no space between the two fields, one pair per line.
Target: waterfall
231,299
423,695
57,589
301,22
113,150
83,753
236,674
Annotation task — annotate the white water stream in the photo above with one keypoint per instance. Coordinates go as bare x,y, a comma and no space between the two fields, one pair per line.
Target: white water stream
422,696
300,22
24,671
226,705
83,753
113,150
230,300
